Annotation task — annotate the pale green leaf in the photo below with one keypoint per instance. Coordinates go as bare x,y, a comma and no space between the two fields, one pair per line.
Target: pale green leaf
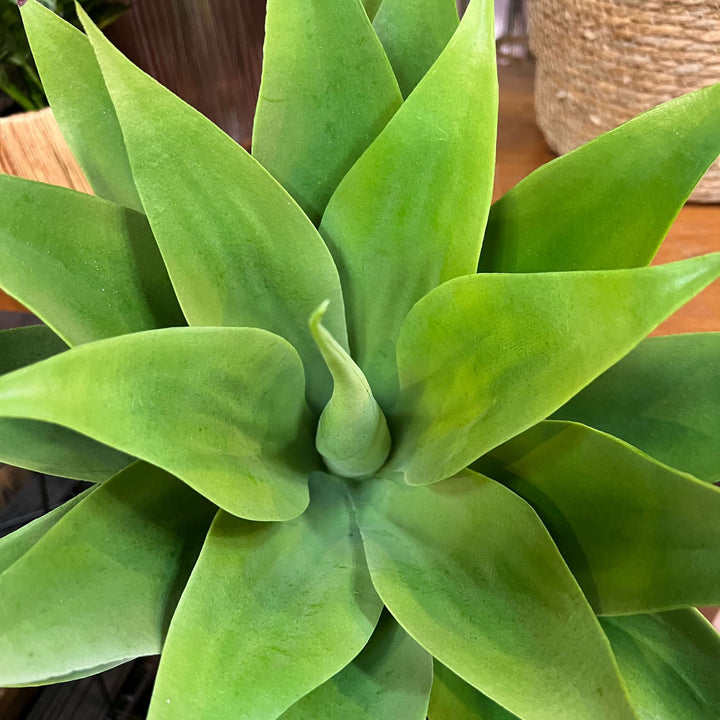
88,268
390,679
327,91
663,398
411,212
414,33
352,434
221,408
17,543
44,447
271,612
75,88
467,568
638,536
610,203
484,357
238,249
99,588
670,663
453,699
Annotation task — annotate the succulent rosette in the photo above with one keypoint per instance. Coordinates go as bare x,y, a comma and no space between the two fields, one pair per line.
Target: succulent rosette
363,444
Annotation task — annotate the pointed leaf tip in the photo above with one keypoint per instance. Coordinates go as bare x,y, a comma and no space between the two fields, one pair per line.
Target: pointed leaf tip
20,3
352,434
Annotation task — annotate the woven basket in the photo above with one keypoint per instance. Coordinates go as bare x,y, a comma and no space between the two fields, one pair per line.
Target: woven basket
601,62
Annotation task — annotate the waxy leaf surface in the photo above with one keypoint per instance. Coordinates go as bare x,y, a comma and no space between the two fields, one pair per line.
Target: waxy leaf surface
467,568
414,33
453,699
484,357
390,678
610,203
271,612
88,268
670,663
99,588
44,447
663,398
75,88
411,212
638,536
327,91
221,408
17,543
238,249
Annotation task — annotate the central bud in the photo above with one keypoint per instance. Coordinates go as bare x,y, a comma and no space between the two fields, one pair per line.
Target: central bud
352,434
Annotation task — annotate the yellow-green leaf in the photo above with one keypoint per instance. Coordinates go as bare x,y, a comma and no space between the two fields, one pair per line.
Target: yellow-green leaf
272,611
484,357
411,212
610,203
221,408
327,91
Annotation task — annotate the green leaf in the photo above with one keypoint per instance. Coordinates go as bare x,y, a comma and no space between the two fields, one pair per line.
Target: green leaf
638,536
411,212
484,357
81,105
371,7
391,678
43,447
663,398
414,33
87,267
99,588
27,345
327,91
670,663
17,543
610,203
221,408
467,568
271,612
453,699
352,434
239,250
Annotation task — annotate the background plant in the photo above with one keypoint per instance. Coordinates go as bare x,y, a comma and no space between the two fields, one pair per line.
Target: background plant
19,80
471,533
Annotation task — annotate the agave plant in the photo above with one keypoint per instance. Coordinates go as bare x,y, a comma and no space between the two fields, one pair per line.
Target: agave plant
345,464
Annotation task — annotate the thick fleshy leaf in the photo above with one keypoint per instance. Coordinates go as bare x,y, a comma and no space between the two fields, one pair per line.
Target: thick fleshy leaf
663,398
453,699
467,568
99,588
352,434
670,664
327,91
44,447
638,536
221,408
371,7
16,544
89,268
484,357
390,678
271,612
239,251
74,85
414,33
411,212
610,203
